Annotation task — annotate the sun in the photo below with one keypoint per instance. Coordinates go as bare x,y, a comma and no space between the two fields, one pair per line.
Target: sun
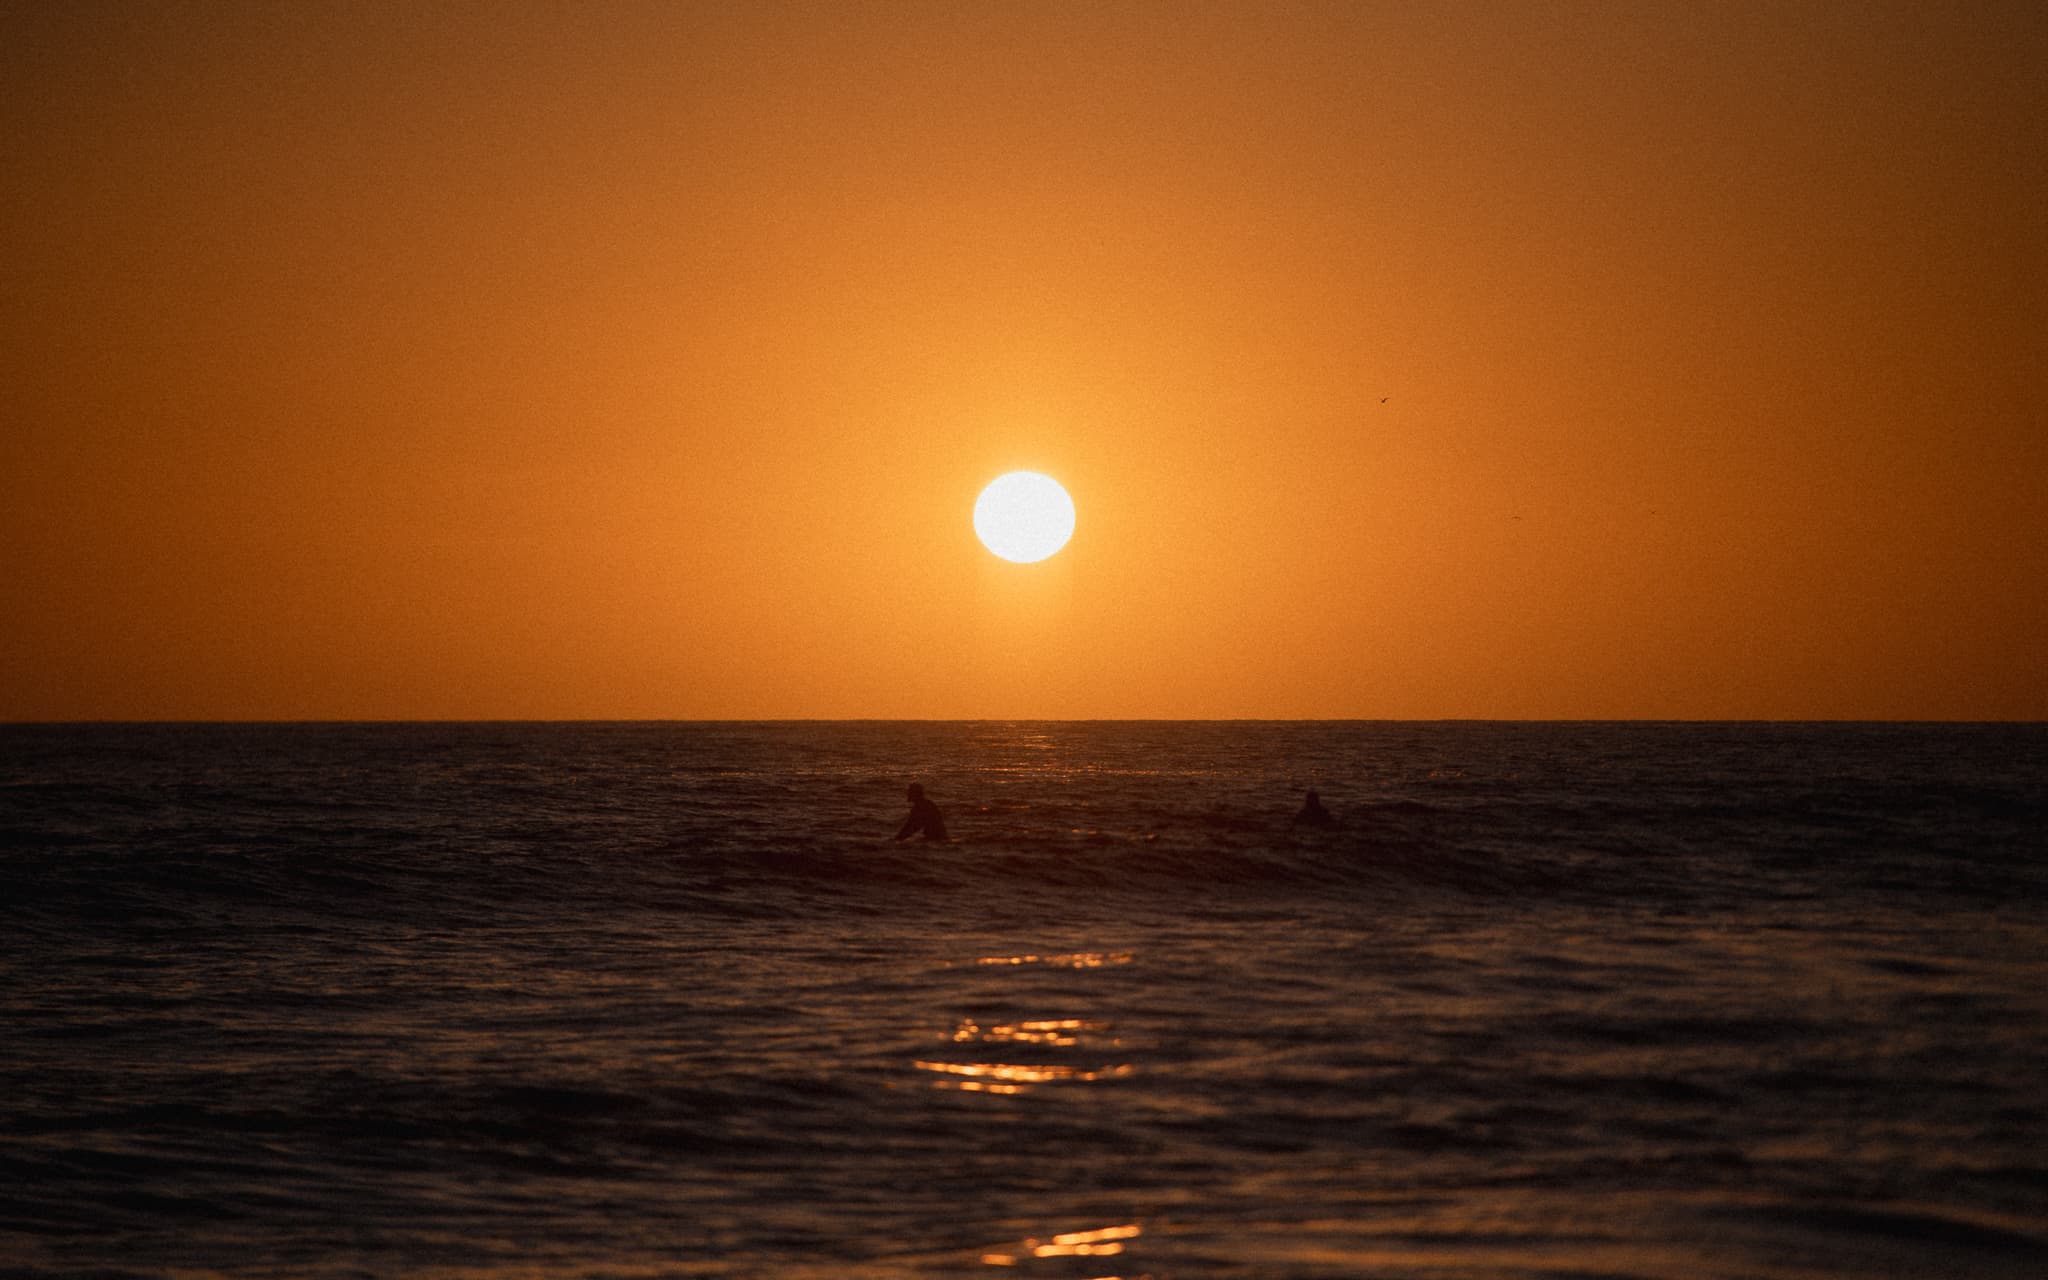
1024,516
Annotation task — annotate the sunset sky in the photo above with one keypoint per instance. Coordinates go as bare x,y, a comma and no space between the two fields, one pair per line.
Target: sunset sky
608,360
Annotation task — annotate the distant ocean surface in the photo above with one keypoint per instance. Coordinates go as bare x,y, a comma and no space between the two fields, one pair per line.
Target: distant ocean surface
634,1000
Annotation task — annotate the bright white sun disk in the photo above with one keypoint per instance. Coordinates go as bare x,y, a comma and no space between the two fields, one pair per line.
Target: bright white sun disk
1024,516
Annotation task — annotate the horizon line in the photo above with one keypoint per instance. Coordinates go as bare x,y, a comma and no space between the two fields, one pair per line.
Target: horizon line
682,720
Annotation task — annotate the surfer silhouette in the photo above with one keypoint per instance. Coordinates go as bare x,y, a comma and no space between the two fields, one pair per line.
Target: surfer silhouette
924,817
1312,812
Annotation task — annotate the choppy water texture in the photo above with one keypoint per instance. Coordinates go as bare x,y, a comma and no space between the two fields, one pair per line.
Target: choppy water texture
621,1000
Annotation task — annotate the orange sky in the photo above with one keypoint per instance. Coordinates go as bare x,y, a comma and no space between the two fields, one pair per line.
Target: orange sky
1403,360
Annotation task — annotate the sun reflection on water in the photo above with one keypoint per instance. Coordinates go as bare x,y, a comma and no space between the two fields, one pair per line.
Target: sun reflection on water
1056,1050
1058,1032
1102,1242
1010,1077
1025,1034
1073,960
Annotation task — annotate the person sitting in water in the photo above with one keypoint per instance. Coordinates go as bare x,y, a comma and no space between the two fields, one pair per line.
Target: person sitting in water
1312,812
924,816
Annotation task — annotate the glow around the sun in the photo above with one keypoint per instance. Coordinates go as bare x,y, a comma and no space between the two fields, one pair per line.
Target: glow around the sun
1024,516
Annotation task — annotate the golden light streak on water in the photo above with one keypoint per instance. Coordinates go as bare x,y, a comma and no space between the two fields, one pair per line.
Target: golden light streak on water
1128,1231
1075,960
1054,1032
1102,1242
1077,1250
1018,1073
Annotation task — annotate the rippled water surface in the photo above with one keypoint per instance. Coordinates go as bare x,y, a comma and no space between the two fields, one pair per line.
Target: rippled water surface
623,1000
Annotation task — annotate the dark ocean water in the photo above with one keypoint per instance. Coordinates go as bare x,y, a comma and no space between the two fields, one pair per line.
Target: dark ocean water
1585,1000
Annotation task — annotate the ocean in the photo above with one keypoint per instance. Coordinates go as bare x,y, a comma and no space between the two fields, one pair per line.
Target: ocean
665,999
